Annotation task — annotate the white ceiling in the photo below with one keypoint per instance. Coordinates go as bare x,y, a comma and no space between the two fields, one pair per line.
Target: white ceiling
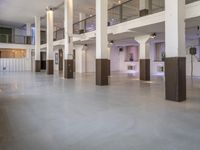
23,11
20,12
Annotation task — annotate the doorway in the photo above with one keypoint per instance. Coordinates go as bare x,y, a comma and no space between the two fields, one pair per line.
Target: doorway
43,60
61,60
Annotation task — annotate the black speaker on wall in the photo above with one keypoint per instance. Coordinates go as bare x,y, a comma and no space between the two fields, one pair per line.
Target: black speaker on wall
121,49
193,51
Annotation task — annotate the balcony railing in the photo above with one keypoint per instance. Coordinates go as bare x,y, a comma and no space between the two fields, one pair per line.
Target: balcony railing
17,39
191,1
123,12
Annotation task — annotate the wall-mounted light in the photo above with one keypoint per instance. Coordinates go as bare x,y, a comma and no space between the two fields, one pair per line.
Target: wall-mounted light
153,36
49,8
111,42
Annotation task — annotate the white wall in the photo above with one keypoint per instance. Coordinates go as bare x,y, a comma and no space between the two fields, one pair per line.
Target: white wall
117,60
80,58
91,58
196,68
119,63
114,59
189,44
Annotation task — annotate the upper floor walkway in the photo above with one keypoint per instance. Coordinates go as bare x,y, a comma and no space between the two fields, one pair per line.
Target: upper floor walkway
122,18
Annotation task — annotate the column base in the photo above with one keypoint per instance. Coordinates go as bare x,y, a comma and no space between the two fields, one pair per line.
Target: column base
144,12
109,70
145,69
37,65
175,78
101,72
68,69
50,67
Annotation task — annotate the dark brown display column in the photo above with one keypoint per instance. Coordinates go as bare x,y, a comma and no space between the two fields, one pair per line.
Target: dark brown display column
175,61
144,48
101,71
102,62
69,53
145,69
50,68
108,65
68,70
37,45
175,78
50,54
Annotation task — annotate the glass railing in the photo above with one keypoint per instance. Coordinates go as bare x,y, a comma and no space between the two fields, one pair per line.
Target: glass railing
191,1
5,38
59,34
86,25
123,12
17,39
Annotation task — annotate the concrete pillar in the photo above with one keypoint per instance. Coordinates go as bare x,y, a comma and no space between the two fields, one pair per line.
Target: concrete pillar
175,62
50,59
37,44
28,33
101,42
82,25
144,54
68,51
145,7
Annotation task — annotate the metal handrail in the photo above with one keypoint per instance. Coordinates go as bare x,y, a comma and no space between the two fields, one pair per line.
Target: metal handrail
13,39
119,17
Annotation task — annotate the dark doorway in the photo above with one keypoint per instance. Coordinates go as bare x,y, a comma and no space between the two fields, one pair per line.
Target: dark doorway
60,60
43,56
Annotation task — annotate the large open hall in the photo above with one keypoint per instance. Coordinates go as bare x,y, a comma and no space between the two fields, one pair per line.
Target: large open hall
99,75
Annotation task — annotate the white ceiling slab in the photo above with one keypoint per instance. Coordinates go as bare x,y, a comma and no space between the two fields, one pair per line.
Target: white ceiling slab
23,11
19,12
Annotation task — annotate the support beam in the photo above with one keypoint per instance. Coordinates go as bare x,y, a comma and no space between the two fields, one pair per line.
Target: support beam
101,43
144,48
68,52
50,59
37,45
175,62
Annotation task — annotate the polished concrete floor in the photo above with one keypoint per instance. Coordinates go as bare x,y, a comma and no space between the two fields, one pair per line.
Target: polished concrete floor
40,112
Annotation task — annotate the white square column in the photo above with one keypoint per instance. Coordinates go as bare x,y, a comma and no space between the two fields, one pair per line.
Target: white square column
68,52
175,62
145,7
82,25
50,59
37,44
101,42
144,54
